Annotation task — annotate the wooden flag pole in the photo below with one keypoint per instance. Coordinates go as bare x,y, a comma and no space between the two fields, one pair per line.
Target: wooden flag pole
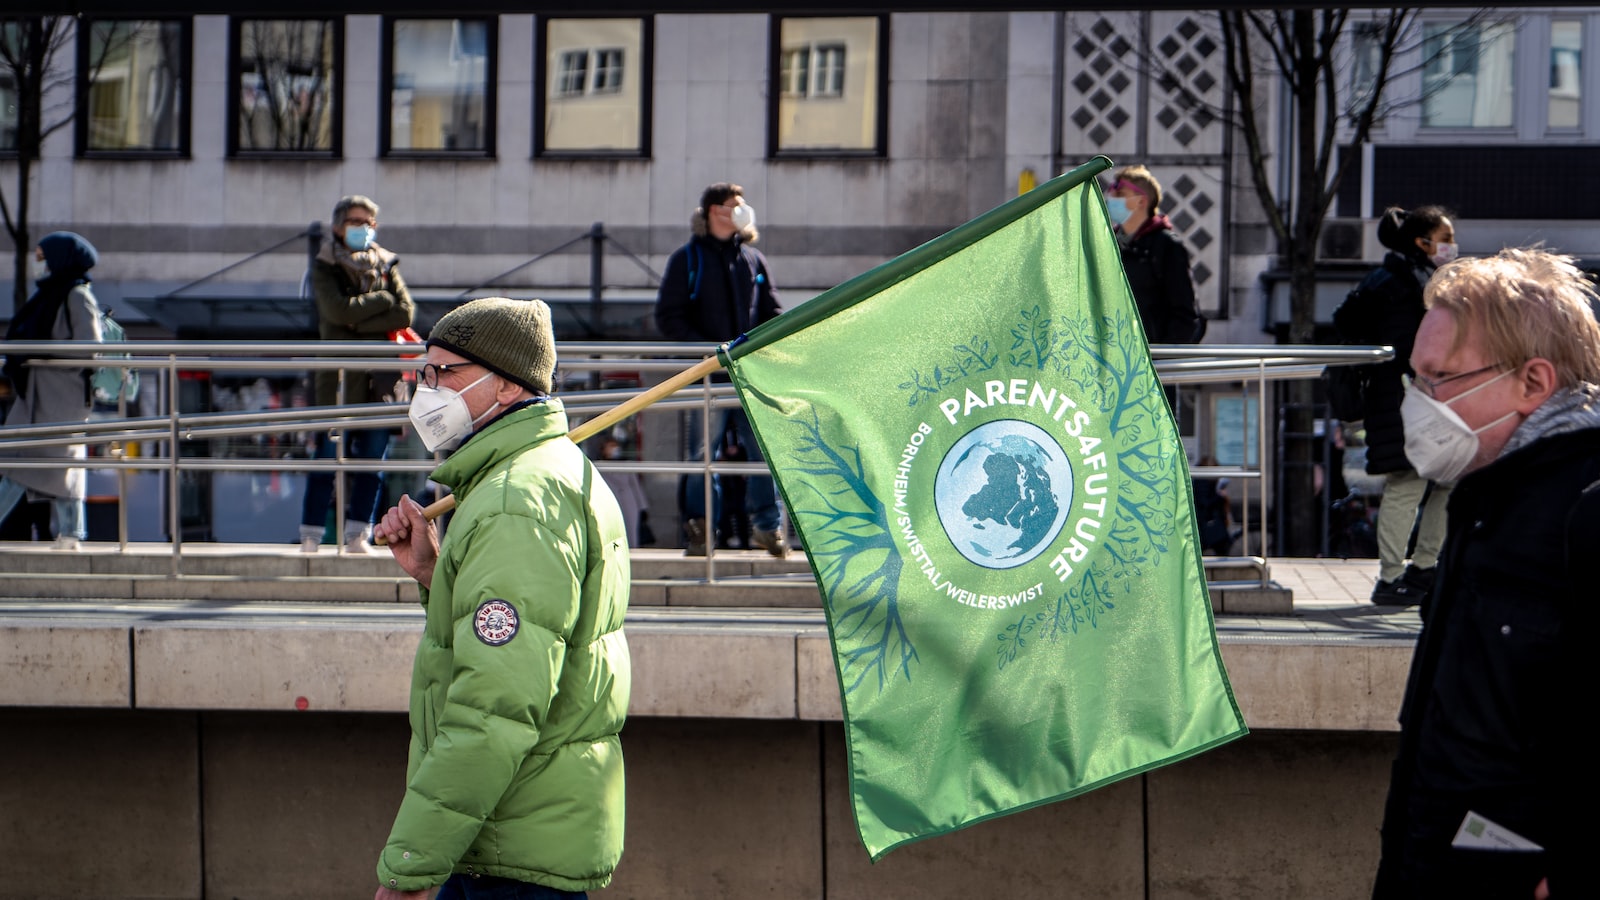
606,419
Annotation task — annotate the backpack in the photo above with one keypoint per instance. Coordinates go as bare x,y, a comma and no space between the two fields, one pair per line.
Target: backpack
110,384
1346,386
1346,390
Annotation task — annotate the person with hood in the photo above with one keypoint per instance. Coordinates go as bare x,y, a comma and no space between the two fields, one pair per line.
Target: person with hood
1386,308
1155,260
63,308
1487,795
360,296
521,681
717,287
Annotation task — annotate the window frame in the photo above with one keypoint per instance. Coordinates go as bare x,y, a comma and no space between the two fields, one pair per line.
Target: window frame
541,77
386,148
80,125
776,86
335,98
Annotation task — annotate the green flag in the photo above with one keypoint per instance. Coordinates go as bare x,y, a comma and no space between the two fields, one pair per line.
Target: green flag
979,460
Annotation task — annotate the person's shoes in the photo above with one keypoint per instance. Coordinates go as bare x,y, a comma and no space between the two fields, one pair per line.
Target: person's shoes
1418,580
1396,593
357,545
694,531
771,541
310,544
66,542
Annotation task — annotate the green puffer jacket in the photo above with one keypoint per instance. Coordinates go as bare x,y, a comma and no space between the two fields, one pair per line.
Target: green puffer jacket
521,682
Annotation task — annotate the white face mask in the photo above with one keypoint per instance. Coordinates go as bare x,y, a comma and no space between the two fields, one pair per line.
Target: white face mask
441,416
1439,444
41,269
1443,252
744,216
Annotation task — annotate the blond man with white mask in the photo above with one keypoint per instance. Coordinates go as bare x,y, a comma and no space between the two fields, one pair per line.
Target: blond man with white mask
1485,799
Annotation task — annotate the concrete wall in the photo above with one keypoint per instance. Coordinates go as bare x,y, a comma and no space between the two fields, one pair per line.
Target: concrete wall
110,805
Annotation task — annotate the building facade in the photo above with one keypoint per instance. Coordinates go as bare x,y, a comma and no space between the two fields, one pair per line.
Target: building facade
500,145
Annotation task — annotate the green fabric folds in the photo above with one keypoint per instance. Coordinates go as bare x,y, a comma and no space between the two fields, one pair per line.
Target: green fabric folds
980,462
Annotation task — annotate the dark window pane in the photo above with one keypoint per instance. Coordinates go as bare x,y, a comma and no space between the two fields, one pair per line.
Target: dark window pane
8,113
286,83
439,98
134,73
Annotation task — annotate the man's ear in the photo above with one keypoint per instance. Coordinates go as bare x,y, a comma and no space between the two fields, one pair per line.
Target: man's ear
1535,384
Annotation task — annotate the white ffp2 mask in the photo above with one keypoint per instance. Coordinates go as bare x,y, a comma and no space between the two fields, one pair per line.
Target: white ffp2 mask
441,416
1440,444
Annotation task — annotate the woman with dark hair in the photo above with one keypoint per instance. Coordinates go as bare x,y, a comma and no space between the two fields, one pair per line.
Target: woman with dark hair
1386,308
62,309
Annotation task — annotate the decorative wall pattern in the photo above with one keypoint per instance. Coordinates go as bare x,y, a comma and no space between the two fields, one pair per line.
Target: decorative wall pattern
1149,88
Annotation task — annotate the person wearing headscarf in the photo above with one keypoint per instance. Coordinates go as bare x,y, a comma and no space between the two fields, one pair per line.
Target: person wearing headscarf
62,308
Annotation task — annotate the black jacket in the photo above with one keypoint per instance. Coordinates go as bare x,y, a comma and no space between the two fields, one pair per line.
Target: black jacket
1157,264
1496,708
731,291
1386,308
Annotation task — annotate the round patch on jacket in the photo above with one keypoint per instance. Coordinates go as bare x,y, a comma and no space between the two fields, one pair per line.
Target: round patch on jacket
496,622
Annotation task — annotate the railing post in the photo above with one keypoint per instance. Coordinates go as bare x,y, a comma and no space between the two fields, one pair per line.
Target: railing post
597,248
597,329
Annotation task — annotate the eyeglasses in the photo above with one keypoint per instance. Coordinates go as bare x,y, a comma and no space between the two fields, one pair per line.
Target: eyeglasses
357,221
1431,387
429,373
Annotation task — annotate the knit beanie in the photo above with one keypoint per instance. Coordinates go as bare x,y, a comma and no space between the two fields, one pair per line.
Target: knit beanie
511,338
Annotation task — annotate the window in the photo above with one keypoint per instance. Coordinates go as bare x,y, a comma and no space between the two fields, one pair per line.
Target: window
1234,430
8,114
287,77
574,73
607,71
441,86
830,70
795,77
1366,52
831,74
1467,75
1566,73
595,87
133,87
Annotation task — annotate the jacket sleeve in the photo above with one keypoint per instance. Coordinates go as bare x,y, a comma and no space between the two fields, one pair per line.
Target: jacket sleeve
346,310
1571,872
397,315
674,314
498,699
1182,317
767,305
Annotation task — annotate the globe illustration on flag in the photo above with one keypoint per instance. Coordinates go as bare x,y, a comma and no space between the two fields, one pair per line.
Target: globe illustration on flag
1003,492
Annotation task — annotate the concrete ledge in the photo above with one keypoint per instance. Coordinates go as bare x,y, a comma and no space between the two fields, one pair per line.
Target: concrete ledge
64,666
1319,687
731,673
299,590
346,669
744,594
711,663
1254,601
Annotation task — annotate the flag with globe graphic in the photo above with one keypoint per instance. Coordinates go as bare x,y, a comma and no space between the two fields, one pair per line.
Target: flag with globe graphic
978,458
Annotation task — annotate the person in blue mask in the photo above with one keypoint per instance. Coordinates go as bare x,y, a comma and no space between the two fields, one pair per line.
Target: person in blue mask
360,296
63,308
1155,259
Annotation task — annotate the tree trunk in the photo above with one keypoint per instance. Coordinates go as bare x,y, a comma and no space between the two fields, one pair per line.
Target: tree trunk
1297,443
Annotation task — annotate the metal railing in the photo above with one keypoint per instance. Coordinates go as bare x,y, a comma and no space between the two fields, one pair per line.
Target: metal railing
1252,366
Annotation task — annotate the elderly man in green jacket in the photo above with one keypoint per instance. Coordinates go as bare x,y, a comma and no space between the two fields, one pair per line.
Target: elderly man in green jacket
520,686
